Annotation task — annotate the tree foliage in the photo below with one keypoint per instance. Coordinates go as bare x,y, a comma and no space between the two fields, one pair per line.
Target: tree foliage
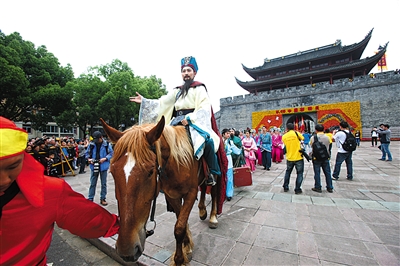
31,82
36,89
104,93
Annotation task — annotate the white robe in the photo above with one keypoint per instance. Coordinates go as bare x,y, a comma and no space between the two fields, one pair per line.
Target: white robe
199,120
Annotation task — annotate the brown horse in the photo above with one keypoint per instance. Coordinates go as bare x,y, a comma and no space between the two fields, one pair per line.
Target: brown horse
148,158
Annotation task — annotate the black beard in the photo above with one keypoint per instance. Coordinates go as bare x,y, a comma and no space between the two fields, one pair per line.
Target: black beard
185,87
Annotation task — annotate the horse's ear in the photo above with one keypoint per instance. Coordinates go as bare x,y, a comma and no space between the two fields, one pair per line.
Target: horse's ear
113,134
155,133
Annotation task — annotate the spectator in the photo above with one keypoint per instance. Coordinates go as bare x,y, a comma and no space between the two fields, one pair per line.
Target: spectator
82,145
72,153
38,154
306,141
99,154
342,155
384,136
357,136
51,169
374,136
294,158
31,203
28,148
330,136
324,164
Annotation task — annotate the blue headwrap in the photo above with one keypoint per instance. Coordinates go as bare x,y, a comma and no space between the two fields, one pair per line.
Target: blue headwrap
189,61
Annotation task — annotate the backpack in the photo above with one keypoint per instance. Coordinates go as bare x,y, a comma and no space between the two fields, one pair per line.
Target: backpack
350,143
319,151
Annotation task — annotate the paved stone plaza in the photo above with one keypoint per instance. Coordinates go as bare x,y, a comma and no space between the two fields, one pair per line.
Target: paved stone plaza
357,224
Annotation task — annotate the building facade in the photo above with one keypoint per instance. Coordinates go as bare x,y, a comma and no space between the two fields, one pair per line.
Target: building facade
325,85
364,102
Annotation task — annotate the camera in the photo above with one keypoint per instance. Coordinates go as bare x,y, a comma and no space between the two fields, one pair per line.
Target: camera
305,155
96,166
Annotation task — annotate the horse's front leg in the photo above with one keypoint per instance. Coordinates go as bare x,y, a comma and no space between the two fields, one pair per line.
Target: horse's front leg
202,205
213,223
181,232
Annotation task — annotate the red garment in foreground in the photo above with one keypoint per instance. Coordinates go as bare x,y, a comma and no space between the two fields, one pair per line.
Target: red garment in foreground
27,222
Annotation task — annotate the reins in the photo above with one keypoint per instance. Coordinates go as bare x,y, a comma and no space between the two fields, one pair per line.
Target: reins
160,173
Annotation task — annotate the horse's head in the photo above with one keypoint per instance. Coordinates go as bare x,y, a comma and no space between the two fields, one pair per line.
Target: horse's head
133,167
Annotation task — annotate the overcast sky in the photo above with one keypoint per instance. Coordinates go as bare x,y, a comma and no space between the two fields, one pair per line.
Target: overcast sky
153,36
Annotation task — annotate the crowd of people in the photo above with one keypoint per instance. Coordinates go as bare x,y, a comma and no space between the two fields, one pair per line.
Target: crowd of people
59,155
266,146
62,155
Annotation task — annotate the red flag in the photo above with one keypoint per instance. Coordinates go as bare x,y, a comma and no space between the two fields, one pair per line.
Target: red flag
302,123
382,64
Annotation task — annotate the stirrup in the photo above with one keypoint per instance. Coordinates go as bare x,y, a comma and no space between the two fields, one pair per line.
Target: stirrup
211,180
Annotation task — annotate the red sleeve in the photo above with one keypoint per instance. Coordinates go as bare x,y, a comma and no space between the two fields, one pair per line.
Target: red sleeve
82,217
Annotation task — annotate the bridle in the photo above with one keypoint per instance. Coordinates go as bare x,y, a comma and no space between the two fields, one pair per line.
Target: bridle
160,173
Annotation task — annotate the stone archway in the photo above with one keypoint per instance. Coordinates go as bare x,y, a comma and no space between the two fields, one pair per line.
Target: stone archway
306,121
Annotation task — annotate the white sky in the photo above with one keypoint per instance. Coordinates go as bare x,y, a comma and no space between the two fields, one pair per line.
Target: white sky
153,36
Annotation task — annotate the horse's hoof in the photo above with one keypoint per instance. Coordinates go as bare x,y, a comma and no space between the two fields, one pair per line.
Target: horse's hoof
213,225
203,217
189,256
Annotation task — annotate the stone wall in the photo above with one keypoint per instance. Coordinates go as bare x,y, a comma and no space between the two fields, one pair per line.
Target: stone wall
379,98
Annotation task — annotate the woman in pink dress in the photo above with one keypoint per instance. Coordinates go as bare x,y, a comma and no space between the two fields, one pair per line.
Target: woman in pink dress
277,145
250,149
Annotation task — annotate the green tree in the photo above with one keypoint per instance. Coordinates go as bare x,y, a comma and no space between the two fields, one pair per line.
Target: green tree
32,82
88,91
111,86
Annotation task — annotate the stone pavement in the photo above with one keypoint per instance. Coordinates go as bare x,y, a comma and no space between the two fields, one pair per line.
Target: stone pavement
357,224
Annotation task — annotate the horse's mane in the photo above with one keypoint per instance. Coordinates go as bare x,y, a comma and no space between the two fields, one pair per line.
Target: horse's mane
134,143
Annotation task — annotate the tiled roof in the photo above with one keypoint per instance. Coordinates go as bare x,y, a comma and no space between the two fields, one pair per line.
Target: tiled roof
347,67
309,55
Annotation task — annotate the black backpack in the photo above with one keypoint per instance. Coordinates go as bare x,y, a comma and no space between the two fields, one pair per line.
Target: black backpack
350,144
319,151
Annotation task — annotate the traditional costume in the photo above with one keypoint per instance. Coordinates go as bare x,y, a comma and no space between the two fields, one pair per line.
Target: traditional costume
277,148
196,108
33,202
250,156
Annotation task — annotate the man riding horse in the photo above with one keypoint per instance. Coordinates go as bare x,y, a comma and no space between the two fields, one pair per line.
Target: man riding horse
188,105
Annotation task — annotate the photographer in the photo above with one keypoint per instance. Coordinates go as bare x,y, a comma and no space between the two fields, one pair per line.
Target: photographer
384,136
294,158
99,154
